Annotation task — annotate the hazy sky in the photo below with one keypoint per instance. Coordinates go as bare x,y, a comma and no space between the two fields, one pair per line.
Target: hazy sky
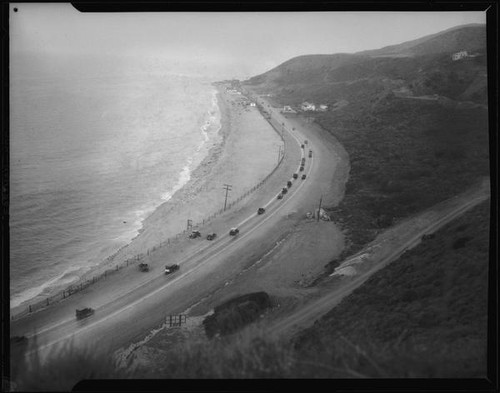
236,44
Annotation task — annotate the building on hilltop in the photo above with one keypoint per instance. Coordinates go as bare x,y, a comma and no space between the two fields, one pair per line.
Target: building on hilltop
459,55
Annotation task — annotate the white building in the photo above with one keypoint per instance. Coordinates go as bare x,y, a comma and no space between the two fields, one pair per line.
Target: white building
323,108
307,106
459,55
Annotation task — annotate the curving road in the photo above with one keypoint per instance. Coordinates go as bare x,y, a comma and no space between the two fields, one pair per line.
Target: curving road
123,319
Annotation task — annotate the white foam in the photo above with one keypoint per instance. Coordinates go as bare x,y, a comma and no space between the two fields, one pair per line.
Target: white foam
31,293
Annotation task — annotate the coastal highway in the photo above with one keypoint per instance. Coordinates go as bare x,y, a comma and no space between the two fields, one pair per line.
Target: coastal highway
121,320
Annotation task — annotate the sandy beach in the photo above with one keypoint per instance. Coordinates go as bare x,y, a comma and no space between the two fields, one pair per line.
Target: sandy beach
246,153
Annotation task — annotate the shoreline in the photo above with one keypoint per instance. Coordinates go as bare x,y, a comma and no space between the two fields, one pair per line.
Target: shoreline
228,159
197,177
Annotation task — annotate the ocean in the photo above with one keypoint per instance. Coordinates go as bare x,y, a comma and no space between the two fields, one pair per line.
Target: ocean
90,158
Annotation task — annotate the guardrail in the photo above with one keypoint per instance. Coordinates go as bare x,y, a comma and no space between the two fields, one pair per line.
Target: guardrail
84,283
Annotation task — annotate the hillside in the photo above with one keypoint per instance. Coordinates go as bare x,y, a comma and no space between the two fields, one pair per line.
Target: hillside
415,127
425,315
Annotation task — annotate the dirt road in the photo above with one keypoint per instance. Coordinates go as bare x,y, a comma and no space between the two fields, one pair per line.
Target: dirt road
386,248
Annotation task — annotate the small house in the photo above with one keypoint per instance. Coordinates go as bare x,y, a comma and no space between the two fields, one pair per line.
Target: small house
459,55
323,108
307,106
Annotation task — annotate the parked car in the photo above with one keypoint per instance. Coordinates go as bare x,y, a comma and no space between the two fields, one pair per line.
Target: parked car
234,231
289,183
261,210
295,175
143,267
211,236
303,176
171,268
194,234
84,313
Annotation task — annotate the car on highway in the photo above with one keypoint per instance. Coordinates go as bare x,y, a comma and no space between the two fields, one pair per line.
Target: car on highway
303,161
301,168
194,234
171,268
280,196
295,175
234,231
143,267
211,236
303,176
284,190
305,142
261,210
302,146
84,313
289,183
310,153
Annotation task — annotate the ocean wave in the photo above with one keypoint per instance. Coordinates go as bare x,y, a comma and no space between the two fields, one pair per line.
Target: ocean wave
67,277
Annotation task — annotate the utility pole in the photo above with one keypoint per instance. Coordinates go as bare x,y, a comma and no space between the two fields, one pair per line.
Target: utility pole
227,187
319,208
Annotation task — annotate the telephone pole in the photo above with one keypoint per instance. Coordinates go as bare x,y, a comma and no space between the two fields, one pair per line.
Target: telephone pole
227,187
319,208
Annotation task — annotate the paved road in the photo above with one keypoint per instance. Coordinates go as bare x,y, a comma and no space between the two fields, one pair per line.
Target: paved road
384,254
127,318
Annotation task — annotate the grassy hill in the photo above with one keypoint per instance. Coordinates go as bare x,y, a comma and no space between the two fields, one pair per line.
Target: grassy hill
406,153
425,315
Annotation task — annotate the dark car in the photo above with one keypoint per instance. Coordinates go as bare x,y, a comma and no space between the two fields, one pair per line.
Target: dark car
303,161
194,234
310,153
284,190
302,146
280,196
234,231
261,210
303,176
289,183
84,313
211,236
301,168
295,175
143,267
171,268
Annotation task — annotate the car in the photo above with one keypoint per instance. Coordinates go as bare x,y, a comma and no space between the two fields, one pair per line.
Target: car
301,168
428,236
303,176
280,196
84,313
284,190
211,236
303,160
302,146
143,267
295,175
234,231
289,183
261,210
171,268
194,234
305,142
310,153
